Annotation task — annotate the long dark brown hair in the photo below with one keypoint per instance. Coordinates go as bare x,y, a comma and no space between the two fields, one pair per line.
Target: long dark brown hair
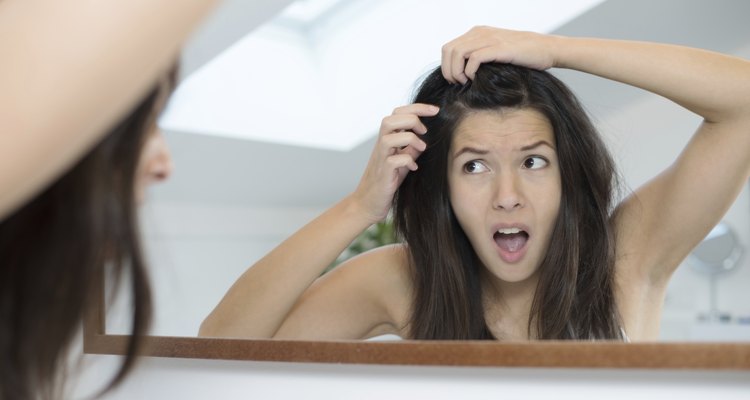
60,245
574,297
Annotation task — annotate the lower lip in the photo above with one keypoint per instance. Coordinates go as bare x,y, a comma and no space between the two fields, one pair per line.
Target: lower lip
514,256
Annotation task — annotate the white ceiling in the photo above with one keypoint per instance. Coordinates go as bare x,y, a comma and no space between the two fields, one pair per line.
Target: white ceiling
229,171
325,80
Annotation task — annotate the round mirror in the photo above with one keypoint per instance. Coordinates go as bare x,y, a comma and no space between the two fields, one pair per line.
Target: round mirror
719,252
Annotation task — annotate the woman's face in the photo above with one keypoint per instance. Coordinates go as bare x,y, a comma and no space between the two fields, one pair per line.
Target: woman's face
505,189
154,165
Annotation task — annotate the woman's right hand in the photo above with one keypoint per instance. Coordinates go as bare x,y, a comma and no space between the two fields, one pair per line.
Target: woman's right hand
394,155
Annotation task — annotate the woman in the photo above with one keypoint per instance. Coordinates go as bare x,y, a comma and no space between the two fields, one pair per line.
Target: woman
69,188
503,196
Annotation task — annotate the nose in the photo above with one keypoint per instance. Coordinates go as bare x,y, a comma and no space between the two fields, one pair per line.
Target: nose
159,164
508,192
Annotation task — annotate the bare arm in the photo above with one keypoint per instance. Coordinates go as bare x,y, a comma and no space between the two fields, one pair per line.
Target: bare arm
69,70
261,300
669,215
366,296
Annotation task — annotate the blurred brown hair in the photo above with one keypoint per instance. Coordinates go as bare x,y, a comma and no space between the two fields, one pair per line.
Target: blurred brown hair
57,247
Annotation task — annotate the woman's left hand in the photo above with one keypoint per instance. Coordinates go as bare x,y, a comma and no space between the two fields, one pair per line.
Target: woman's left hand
463,55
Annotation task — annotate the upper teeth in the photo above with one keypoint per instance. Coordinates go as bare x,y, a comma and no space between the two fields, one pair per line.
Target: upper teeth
507,231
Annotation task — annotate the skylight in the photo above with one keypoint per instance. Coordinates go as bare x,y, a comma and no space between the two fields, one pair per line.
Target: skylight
325,72
304,13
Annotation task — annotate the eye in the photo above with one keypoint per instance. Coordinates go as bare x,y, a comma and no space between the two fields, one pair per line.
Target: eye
475,167
534,162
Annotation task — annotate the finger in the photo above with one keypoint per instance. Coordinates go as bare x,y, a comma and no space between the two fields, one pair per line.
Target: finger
412,151
400,140
402,122
458,62
453,56
420,109
445,61
397,161
460,51
481,56
452,61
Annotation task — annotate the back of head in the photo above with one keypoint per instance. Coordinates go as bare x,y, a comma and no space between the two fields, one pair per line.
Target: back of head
445,269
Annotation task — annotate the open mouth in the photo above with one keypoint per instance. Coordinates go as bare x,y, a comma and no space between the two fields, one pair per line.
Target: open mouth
511,239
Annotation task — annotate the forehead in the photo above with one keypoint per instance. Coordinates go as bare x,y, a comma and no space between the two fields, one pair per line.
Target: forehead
508,127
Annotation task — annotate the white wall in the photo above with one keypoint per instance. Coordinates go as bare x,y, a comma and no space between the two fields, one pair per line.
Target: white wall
197,251
162,378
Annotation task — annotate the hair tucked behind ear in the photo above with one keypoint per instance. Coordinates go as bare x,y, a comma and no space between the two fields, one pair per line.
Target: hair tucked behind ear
55,249
574,298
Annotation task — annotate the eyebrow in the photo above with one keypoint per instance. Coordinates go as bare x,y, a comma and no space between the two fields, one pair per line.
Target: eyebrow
474,150
537,144
469,149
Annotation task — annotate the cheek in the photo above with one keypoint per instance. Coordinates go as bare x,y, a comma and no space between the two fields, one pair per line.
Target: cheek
142,175
458,196
456,201
550,202
145,161
464,202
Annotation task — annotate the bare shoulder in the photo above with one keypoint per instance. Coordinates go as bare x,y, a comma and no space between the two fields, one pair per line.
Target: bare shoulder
366,296
384,274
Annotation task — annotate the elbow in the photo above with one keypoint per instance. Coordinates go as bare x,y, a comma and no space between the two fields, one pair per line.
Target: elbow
209,328
204,330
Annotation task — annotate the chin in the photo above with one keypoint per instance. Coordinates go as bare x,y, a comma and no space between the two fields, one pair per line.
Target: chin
513,273
507,278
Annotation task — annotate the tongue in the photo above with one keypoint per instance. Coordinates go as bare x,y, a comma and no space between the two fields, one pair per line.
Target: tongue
511,242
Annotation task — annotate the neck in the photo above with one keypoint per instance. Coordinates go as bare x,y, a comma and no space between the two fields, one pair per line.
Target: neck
507,306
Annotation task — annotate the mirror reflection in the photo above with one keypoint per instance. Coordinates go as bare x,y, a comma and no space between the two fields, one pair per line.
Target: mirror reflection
719,253
204,238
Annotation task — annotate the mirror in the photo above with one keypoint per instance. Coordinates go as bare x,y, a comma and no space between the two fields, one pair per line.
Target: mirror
717,255
231,200
719,252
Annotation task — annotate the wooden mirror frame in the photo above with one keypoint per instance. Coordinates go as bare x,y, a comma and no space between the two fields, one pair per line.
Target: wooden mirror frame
542,354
